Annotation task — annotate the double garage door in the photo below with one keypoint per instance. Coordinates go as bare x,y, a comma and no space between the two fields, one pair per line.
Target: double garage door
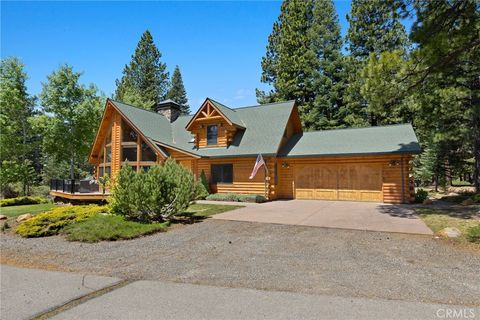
355,182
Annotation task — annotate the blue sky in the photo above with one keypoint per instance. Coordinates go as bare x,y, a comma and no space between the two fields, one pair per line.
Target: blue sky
218,45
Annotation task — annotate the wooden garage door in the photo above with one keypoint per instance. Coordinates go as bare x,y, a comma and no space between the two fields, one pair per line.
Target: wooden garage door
356,182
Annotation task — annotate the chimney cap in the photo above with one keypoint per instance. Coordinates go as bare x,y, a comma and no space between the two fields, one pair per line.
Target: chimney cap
169,103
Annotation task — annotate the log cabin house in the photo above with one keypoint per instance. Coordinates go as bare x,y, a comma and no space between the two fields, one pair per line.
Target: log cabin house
360,164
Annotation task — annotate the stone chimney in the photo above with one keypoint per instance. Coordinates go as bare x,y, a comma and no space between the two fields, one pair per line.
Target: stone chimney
168,108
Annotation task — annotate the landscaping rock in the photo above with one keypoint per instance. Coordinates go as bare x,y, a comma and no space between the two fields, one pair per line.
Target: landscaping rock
24,217
3,217
427,201
450,232
467,202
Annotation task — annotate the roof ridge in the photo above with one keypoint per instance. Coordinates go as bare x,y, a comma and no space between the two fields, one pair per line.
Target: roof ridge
131,105
359,128
220,103
264,104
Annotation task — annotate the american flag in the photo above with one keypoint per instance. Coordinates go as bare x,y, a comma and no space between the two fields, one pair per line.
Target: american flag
257,166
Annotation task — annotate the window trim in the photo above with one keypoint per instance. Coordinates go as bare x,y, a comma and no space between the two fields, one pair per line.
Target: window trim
216,137
222,165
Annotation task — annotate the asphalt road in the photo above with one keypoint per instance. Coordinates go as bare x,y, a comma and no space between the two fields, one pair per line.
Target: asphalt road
27,292
161,300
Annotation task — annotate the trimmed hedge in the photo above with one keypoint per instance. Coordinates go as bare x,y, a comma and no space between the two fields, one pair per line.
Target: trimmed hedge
52,222
235,197
22,201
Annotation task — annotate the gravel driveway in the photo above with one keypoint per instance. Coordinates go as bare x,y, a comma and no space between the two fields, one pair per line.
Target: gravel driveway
348,263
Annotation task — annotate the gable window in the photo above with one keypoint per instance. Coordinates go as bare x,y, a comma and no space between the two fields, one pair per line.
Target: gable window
147,153
212,134
222,173
128,134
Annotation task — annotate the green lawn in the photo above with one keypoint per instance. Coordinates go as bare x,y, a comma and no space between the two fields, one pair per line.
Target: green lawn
15,211
438,220
110,227
204,210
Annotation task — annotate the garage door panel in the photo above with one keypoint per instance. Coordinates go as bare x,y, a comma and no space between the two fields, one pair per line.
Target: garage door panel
325,177
305,193
353,182
323,194
375,196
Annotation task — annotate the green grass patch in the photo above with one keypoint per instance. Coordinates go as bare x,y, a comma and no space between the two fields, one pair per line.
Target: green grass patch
15,211
200,210
438,220
111,228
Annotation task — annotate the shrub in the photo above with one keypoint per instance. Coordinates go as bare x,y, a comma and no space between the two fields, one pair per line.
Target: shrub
40,191
51,222
473,234
421,195
22,201
237,197
202,189
476,198
156,195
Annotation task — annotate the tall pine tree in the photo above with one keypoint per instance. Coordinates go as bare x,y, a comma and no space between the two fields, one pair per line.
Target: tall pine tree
177,91
374,27
145,80
304,62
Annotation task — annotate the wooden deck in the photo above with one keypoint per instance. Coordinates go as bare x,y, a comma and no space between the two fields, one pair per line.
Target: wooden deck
80,196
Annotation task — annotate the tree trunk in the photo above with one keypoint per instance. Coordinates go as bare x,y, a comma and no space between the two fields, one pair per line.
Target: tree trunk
476,148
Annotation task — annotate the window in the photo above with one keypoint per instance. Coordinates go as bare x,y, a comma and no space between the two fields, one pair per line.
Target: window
107,171
100,171
129,153
222,173
212,134
147,153
127,133
108,139
108,154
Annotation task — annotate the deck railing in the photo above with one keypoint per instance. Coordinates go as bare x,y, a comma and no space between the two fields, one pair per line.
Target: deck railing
73,186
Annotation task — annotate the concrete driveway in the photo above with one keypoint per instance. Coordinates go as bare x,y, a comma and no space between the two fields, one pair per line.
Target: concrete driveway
332,214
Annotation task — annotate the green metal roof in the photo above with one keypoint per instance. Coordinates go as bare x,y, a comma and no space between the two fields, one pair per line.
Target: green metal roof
264,126
231,114
393,139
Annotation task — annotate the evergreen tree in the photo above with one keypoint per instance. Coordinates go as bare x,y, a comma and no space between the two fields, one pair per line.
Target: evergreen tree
374,27
17,141
145,76
177,91
439,85
73,112
304,62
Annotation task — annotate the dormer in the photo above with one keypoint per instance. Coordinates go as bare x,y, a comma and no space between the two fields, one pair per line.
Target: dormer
214,125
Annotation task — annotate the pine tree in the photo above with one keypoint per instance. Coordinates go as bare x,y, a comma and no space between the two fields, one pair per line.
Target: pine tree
144,76
304,62
374,27
177,91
